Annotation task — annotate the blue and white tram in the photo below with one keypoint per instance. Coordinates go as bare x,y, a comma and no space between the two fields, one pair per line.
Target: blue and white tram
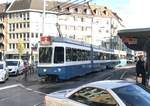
64,59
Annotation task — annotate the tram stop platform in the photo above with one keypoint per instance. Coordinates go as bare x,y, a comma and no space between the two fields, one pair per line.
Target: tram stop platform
139,40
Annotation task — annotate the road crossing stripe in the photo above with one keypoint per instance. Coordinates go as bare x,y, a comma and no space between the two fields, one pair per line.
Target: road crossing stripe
10,86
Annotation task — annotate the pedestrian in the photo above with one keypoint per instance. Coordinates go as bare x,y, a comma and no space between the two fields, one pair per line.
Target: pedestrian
25,70
140,69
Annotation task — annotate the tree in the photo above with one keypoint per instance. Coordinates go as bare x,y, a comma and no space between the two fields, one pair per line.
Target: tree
20,47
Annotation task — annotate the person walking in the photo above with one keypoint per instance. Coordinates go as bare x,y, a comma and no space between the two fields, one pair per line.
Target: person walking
140,69
25,70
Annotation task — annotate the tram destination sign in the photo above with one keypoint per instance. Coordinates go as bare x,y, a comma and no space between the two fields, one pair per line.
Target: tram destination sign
45,40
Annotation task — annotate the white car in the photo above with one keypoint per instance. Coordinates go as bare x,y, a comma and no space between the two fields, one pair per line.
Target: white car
15,66
3,72
101,93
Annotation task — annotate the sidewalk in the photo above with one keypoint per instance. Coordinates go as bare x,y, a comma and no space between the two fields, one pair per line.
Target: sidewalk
31,78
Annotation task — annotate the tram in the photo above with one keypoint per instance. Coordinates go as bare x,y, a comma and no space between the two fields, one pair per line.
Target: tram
62,59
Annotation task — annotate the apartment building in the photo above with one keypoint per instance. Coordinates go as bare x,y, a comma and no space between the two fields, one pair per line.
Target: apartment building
3,29
87,22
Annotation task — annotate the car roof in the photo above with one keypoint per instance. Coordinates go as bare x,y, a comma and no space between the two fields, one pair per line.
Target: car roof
109,84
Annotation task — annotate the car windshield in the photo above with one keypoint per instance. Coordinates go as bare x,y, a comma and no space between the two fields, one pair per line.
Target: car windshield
11,63
133,95
1,66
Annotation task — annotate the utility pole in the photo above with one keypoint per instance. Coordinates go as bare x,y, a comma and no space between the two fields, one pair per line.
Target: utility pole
111,26
43,25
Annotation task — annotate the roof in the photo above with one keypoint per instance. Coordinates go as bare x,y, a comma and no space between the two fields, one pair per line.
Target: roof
26,4
135,39
3,7
109,84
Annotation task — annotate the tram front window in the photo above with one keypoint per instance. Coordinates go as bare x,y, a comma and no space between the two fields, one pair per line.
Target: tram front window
59,55
45,55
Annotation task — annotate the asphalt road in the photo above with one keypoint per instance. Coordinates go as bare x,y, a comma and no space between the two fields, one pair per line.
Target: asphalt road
16,92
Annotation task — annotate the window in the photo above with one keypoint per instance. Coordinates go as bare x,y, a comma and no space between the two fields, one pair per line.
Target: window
16,25
13,27
17,35
94,97
32,35
76,10
24,16
20,25
36,35
13,46
27,45
20,35
73,54
27,35
9,36
10,16
13,36
20,15
24,45
24,24
24,35
59,55
28,25
27,16
133,95
45,54
10,46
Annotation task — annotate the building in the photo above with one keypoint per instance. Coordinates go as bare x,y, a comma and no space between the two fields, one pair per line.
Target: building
84,22
3,29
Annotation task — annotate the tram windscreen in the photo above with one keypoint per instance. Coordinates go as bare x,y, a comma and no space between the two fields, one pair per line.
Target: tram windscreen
45,55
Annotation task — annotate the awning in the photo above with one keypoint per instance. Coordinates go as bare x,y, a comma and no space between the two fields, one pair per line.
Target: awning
135,39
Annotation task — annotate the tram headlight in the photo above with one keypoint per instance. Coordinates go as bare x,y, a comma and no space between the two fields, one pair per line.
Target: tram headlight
44,70
59,69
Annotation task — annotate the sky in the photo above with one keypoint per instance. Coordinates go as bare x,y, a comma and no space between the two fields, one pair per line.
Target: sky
135,13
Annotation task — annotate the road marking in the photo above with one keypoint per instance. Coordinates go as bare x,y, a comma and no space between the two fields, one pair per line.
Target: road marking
20,85
10,86
29,89
123,75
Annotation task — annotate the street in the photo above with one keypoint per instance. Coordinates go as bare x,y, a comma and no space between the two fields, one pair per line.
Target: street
17,92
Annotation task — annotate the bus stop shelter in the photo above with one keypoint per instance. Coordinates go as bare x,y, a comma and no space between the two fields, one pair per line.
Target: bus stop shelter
137,39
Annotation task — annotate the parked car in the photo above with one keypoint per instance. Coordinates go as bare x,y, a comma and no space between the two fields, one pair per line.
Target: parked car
3,72
15,66
101,93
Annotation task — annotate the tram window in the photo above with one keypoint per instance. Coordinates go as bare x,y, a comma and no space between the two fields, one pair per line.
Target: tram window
74,55
45,54
59,55
68,54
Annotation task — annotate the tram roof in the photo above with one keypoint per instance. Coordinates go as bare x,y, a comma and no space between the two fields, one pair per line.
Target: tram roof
71,41
135,38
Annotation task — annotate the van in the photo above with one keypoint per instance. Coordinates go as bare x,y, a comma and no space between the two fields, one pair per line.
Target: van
15,66
3,72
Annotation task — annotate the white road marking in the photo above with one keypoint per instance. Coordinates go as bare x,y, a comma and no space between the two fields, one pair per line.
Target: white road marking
20,85
123,75
10,86
125,67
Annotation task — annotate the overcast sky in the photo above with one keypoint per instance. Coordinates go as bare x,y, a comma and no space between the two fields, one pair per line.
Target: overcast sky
135,13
